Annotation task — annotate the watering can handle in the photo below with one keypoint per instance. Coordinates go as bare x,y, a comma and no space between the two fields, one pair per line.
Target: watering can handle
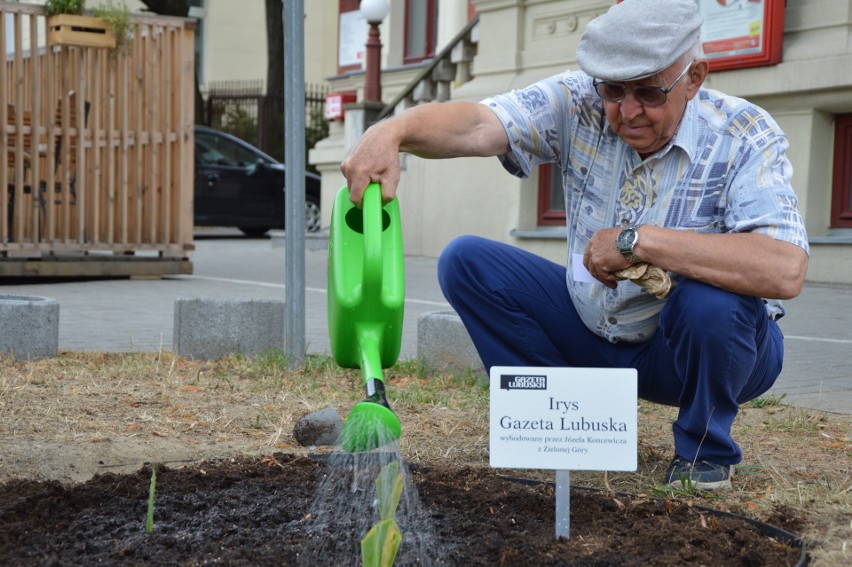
373,265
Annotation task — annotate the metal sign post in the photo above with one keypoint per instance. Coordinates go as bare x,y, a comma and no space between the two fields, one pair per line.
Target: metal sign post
294,159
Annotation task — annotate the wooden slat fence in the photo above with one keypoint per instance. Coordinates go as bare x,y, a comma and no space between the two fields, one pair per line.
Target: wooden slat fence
99,145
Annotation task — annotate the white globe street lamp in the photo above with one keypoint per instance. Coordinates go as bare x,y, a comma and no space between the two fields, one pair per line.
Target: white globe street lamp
374,11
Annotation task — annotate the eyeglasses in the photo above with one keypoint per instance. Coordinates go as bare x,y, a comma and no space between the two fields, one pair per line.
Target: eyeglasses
646,95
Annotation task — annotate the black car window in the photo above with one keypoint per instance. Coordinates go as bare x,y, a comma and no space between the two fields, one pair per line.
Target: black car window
208,155
215,150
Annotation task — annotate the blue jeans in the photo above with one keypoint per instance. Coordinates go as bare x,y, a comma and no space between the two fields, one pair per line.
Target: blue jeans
713,350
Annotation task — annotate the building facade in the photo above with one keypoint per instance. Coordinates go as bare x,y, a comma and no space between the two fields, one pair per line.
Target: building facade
516,42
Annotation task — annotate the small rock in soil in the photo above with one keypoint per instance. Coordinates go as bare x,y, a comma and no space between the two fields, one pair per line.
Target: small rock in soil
319,428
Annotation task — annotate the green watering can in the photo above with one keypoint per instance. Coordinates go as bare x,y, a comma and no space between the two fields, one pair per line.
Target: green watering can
366,294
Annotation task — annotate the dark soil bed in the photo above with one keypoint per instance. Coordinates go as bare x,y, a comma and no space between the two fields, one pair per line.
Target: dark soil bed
292,510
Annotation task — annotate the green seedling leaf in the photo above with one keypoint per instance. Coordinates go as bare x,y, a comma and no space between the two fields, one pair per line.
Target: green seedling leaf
149,525
389,490
379,546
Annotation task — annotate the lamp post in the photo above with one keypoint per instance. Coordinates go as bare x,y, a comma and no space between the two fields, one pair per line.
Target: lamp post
374,11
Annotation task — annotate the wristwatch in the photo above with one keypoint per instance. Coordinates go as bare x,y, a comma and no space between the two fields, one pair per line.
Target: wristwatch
626,241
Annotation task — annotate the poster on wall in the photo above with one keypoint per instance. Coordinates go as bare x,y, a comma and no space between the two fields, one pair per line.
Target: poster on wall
742,33
352,40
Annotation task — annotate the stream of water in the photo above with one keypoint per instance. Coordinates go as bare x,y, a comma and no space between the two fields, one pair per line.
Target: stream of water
345,507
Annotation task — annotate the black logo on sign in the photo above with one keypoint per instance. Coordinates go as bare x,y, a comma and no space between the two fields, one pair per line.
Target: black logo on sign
522,382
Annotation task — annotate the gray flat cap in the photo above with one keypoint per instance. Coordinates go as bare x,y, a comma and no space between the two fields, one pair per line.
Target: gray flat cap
638,38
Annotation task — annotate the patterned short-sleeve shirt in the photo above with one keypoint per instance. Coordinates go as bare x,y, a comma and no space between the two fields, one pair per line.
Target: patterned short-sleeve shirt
725,170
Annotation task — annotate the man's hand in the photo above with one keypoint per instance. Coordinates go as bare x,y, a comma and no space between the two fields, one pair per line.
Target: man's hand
603,259
374,159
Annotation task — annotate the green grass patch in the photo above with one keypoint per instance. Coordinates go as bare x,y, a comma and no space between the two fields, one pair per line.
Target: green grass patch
770,400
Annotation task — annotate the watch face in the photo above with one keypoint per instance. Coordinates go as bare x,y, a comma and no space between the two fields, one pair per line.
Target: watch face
625,239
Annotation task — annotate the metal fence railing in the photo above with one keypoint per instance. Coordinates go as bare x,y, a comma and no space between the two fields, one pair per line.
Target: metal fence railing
242,108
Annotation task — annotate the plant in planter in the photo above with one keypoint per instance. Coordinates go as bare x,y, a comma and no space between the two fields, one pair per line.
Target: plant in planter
107,27
56,7
118,18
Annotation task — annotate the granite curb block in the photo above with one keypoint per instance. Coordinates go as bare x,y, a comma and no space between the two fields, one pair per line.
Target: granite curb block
209,328
444,344
30,326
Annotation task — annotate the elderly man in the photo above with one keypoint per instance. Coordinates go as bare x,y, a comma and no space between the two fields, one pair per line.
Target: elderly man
662,178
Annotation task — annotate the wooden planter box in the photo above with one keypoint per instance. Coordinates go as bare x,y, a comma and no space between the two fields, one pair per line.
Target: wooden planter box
83,31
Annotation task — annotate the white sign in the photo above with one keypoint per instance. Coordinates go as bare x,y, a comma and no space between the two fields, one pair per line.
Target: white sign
581,274
563,418
333,106
352,39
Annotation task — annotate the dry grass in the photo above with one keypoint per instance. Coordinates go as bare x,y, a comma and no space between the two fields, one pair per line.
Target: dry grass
71,416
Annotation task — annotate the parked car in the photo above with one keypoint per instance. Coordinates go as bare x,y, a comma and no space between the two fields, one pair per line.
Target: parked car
238,185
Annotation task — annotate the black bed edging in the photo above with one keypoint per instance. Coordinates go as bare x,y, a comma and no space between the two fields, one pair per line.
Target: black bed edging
768,530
